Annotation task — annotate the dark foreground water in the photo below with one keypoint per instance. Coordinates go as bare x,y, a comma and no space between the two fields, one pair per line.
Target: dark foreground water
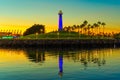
38,64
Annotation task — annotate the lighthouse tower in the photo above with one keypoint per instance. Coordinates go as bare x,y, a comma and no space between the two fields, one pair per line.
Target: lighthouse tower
60,24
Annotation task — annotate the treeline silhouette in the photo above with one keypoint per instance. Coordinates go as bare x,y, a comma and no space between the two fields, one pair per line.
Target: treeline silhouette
96,29
84,29
84,57
117,36
36,28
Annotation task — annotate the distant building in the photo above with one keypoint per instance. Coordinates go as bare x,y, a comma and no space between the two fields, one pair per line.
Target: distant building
5,33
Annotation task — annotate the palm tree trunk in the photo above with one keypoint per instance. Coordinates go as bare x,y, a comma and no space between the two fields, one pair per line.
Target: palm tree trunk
99,30
81,30
78,30
103,30
88,32
92,31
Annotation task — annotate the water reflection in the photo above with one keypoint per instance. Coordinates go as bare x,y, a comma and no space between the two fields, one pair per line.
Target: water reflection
65,59
92,57
85,57
35,55
60,64
96,56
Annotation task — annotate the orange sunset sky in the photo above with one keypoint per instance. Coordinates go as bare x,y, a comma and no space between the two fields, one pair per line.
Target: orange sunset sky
21,14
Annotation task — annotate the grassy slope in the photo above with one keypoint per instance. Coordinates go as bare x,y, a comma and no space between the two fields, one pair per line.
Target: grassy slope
54,35
60,35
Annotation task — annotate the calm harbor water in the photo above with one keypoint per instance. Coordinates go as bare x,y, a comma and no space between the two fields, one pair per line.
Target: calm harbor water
38,64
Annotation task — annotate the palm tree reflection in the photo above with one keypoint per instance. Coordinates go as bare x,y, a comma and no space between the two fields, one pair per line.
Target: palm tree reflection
88,57
36,55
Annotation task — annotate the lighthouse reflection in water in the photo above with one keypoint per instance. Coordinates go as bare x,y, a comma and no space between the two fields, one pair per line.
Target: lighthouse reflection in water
38,64
60,65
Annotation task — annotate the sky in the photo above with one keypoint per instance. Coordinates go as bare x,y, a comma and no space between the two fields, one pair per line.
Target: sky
21,14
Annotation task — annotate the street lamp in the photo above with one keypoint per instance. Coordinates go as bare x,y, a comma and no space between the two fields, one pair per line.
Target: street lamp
36,35
58,34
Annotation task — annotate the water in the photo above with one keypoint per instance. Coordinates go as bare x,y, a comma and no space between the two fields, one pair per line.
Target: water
38,64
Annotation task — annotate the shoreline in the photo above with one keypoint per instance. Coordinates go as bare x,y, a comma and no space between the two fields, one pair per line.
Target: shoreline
60,43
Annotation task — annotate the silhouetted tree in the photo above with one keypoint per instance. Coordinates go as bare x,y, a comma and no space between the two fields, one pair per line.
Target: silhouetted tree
88,27
103,24
84,25
36,28
99,23
74,26
117,35
96,26
92,29
85,22
65,29
78,27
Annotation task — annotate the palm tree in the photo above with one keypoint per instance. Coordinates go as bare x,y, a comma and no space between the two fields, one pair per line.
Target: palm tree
78,27
74,27
92,28
69,28
85,29
9,30
96,26
20,32
14,31
99,23
103,24
85,22
81,26
6,30
17,31
84,25
65,28
88,27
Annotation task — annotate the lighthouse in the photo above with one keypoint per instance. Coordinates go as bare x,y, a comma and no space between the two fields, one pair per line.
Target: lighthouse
60,23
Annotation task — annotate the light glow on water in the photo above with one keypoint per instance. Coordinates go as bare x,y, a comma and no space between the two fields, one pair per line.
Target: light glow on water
37,64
